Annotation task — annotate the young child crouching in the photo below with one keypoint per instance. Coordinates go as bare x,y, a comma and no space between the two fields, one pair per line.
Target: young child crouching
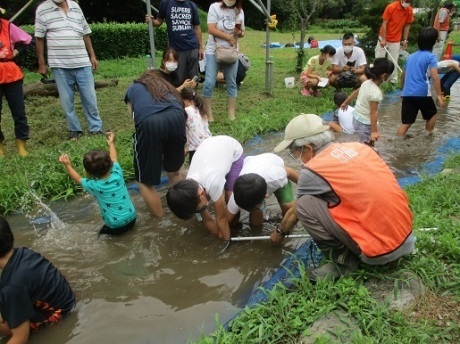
107,184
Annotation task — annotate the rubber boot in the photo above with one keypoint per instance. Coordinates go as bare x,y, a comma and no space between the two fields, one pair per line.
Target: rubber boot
2,149
208,108
231,108
21,147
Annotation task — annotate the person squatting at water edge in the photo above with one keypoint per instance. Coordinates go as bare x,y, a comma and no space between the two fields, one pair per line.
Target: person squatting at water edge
106,183
369,96
352,217
159,139
225,27
13,41
318,66
415,84
216,165
261,176
348,64
33,292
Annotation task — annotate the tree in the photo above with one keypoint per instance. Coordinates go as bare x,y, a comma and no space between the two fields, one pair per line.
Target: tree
303,13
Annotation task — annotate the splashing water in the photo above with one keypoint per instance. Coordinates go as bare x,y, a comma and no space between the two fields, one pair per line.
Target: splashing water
55,222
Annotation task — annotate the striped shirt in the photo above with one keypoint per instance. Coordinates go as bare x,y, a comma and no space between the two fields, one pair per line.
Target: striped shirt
64,34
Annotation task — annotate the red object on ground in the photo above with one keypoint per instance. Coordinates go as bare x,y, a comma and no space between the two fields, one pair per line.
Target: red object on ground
448,51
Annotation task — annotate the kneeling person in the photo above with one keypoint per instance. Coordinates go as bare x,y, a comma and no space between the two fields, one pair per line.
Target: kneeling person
33,292
261,176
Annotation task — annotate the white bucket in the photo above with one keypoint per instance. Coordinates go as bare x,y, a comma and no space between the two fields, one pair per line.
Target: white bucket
289,82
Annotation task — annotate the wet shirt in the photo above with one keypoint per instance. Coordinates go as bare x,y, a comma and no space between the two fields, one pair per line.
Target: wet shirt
30,283
116,207
181,17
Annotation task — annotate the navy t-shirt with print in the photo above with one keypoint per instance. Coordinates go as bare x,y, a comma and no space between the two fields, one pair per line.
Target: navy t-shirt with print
181,18
29,280
117,209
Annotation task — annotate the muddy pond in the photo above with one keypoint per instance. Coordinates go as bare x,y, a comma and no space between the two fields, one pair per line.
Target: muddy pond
163,282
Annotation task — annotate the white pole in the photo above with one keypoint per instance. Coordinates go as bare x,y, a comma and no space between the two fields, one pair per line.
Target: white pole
266,237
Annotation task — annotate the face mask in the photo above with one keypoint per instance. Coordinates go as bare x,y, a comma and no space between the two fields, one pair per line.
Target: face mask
348,49
58,1
405,4
229,3
171,66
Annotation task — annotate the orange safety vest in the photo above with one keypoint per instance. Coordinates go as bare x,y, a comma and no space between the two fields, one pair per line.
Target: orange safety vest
372,208
444,26
9,71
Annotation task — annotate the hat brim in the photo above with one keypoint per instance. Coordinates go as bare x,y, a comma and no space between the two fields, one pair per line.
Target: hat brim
283,145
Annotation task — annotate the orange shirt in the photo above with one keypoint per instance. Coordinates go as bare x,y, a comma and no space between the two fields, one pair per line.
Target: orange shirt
397,16
444,26
9,71
372,208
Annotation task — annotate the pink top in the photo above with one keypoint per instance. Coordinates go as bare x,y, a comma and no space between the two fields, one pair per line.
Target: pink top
18,35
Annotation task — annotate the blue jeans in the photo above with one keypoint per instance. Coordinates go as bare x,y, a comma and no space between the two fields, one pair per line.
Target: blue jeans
81,79
212,67
450,78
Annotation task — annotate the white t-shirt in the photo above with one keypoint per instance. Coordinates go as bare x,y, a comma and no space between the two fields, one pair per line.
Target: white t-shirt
357,56
345,119
270,167
225,19
369,92
212,161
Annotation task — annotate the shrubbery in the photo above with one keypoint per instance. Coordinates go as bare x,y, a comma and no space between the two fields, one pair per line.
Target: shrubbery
338,24
110,41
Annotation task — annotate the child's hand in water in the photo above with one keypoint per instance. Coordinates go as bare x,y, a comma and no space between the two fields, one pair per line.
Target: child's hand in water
110,138
375,136
64,159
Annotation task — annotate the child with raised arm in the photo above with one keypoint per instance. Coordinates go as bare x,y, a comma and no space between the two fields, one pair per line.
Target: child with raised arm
415,85
342,121
107,185
369,97
196,127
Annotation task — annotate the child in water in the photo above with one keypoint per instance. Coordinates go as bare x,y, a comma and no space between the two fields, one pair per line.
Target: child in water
369,97
107,184
197,127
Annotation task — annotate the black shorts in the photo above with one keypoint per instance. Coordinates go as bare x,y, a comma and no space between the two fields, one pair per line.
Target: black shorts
412,105
159,142
117,231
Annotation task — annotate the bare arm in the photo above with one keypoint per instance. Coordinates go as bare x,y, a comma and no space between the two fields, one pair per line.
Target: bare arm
335,127
218,227
292,175
360,70
20,334
213,30
406,30
64,159
383,33
112,149
90,50
40,50
199,37
374,132
347,101
312,75
289,221
336,69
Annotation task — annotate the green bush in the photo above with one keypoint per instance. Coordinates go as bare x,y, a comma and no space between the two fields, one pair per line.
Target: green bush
338,24
110,41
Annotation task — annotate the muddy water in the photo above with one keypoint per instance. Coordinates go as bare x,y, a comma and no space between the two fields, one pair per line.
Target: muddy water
164,282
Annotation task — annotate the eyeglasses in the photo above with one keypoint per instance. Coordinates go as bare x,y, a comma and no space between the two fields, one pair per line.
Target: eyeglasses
205,206
291,153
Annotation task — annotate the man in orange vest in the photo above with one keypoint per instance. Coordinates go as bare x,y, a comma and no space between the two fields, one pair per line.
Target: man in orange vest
12,41
348,200
442,24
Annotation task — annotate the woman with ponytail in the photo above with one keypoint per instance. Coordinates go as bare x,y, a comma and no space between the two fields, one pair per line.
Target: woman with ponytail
197,127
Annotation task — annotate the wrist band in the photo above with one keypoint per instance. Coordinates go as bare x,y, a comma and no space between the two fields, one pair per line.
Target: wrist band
280,232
